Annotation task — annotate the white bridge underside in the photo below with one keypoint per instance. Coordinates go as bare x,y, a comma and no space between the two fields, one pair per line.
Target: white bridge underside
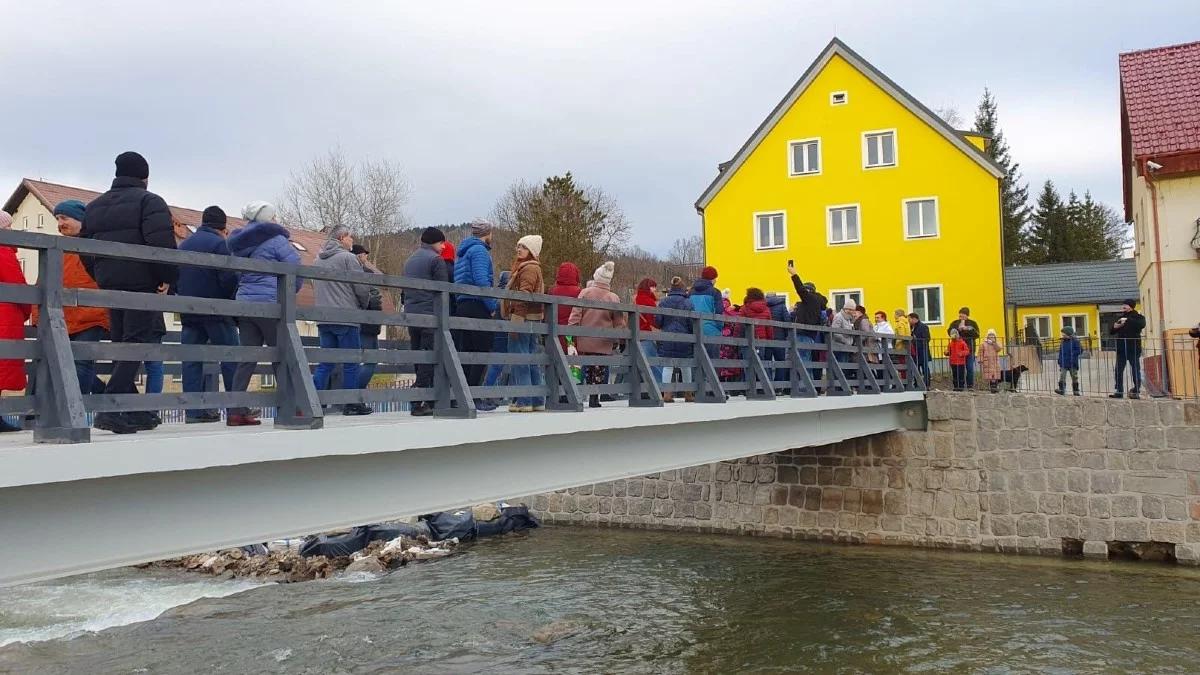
121,500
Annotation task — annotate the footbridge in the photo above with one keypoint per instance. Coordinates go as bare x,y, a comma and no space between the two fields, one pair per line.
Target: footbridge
75,499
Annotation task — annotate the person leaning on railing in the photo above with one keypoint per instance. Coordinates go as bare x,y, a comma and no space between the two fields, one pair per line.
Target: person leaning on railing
368,332
526,278
12,321
130,214
920,345
261,239
425,263
599,291
84,324
474,268
1128,331
989,360
647,296
336,256
677,299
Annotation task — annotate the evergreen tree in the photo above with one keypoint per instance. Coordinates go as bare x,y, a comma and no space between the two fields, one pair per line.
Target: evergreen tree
1046,239
1014,195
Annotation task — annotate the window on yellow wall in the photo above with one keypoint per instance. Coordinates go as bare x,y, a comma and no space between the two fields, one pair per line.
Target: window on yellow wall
804,157
879,149
770,230
920,218
926,302
1078,322
841,296
843,224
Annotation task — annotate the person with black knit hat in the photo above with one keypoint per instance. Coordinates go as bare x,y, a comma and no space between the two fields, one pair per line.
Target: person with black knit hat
1128,332
207,329
130,214
425,263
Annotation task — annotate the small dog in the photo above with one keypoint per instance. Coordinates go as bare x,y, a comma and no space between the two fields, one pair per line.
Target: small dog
1012,377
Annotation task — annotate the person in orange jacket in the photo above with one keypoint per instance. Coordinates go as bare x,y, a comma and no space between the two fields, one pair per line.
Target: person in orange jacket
12,320
84,324
958,352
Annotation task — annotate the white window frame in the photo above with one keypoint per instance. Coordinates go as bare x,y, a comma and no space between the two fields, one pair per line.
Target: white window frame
267,380
866,135
833,97
776,246
941,300
1075,315
829,224
792,173
937,216
1047,317
836,305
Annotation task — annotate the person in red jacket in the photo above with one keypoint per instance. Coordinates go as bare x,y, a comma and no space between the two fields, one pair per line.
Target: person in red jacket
755,307
12,320
566,285
958,352
647,296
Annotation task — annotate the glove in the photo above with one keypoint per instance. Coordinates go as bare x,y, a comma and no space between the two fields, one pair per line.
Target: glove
572,351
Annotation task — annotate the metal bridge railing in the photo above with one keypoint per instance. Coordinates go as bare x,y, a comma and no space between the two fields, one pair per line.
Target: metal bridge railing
786,364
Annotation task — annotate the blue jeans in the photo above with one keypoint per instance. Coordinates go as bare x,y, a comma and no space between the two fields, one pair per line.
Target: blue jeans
806,355
524,374
337,336
970,371
650,349
781,373
206,332
86,370
367,370
496,370
154,377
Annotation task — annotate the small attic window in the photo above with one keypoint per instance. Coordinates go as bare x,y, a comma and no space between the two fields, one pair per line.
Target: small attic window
838,98
299,246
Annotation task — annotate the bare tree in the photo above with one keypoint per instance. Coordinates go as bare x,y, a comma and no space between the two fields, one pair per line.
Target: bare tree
950,115
321,195
687,251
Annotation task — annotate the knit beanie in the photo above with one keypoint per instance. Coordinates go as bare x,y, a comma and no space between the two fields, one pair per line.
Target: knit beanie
677,283
1132,303
726,293
991,332
5,220
709,273
480,228
432,235
132,165
448,252
850,305
533,242
604,273
1069,331
953,333
71,208
213,217
260,211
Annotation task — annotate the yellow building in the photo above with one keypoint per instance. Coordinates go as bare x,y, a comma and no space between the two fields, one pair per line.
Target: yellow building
1086,296
871,193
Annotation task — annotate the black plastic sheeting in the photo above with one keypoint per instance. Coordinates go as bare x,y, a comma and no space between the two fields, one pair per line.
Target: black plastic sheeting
436,526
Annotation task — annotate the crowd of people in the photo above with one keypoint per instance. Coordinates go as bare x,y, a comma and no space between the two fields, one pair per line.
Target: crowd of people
129,213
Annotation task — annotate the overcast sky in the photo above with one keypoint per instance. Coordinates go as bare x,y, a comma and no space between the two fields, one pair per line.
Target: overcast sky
641,98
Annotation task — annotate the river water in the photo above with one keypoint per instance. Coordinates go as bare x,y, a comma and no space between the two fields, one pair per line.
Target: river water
567,600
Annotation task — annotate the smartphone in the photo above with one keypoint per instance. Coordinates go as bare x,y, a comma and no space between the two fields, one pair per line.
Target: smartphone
791,263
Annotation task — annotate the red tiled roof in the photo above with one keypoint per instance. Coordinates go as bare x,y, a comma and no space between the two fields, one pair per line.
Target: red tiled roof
1160,92
50,194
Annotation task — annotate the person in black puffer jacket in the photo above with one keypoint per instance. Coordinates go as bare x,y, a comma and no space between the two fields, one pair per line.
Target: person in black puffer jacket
368,332
130,214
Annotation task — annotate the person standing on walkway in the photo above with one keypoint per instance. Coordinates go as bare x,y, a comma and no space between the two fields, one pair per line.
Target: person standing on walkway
12,321
425,263
677,299
261,239
498,374
474,268
207,329
336,256
1069,353
1128,332
958,351
647,296
843,321
707,300
882,327
566,285
84,324
130,214
779,312
600,290
989,360
368,332
968,330
526,278
919,347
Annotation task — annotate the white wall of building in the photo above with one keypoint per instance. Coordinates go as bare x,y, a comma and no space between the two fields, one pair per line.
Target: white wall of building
1178,212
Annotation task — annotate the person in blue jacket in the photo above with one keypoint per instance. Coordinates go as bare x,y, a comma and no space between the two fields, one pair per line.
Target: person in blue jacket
779,312
261,239
707,300
1069,353
474,268
677,299
207,329
920,346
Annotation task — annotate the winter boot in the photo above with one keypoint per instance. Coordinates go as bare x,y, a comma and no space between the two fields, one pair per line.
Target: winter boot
593,401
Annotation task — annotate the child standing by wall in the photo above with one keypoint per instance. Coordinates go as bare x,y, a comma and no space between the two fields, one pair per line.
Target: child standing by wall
1069,352
989,360
958,352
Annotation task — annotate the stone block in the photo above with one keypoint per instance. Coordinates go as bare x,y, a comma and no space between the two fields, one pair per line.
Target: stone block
1183,438
872,502
1187,554
1152,506
1092,459
891,523
1095,414
1078,480
1133,529
966,506
1033,481
763,494
1031,459
619,506
943,505
1099,506
1120,414
1171,413
1141,460
1151,438
1193,532
1114,460
1056,480
808,475
962,408
788,475
1172,484
967,530
1106,482
1087,439
1064,526
634,488
747,473
1054,438
796,496
745,493
1016,418
946,528
1145,413
1041,417
1032,525
1175,508
1095,549
1174,533
894,503
605,506
1075,504
937,406
676,491
1094,529
999,504
750,514
812,499
826,519
1124,506
789,517
1023,502
1050,504
728,493
920,503
1067,414
1120,439
1013,439
852,499
1169,460
779,495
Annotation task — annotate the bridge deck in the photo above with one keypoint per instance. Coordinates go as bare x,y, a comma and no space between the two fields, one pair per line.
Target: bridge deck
180,489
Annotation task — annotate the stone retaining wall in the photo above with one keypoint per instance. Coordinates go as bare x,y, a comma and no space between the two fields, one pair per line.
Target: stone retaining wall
1008,472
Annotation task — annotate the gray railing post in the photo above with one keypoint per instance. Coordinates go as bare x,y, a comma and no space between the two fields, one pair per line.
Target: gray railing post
892,383
912,380
836,383
61,417
867,384
708,384
297,404
759,386
641,377
801,379
449,380
558,371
